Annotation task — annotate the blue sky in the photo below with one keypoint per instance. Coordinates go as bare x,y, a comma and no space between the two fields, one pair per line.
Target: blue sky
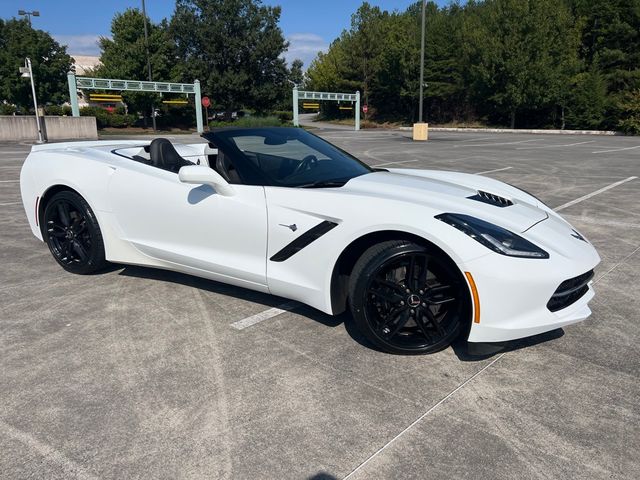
309,25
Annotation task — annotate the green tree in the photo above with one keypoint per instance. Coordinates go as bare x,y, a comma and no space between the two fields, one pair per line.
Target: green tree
366,32
124,56
234,47
380,56
49,60
588,100
611,40
519,62
296,74
629,121
524,53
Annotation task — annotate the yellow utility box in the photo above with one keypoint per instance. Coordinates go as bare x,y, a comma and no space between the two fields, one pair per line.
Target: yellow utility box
421,132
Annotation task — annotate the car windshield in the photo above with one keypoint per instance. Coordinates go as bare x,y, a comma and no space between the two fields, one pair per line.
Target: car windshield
288,157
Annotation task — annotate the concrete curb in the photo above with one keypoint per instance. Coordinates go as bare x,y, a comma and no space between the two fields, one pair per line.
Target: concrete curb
523,130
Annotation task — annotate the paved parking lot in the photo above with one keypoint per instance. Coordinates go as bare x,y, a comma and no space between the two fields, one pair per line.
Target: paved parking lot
137,373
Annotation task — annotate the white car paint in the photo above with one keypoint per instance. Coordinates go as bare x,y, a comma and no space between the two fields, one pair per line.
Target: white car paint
148,217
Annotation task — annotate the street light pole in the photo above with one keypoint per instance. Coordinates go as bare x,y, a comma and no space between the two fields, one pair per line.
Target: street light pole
146,45
35,13
420,108
28,71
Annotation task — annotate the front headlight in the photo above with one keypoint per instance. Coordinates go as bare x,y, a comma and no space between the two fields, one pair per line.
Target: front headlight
495,238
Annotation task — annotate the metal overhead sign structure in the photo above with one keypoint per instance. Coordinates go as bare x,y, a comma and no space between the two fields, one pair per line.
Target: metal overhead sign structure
330,96
86,83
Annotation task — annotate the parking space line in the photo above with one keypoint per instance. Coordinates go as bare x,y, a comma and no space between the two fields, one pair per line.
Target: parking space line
394,163
621,262
495,144
616,149
555,146
9,181
265,315
593,194
475,139
417,420
601,221
494,170
10,203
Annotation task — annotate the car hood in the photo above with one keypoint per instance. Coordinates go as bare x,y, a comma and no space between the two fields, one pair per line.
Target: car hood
449,192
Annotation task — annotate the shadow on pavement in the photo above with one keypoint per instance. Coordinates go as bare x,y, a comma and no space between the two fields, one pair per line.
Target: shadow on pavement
212,286
465,351
322,476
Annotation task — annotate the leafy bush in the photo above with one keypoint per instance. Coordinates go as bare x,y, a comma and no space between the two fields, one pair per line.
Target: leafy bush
7,109
284,115
271,121
177,117
105,119
58,110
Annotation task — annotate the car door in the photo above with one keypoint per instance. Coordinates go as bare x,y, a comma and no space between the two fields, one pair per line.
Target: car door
224,237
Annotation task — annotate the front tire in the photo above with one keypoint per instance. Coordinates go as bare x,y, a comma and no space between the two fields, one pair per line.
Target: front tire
72,233
407,298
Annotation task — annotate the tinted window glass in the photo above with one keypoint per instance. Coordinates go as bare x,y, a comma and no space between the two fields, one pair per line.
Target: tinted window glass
289,157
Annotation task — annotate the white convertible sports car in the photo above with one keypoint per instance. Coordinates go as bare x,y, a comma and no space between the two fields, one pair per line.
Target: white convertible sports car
419,256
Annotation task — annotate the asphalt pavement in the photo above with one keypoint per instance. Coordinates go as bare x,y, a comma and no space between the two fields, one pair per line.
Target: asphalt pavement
140,373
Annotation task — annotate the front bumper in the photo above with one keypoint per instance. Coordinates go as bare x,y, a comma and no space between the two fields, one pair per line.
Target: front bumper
516,294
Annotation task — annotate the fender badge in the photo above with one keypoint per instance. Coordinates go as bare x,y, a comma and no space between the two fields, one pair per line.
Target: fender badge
293,226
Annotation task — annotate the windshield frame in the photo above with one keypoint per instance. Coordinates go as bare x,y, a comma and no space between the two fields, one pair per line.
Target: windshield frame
250,173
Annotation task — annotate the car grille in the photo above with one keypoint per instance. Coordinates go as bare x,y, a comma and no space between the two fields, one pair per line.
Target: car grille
491,199
570,291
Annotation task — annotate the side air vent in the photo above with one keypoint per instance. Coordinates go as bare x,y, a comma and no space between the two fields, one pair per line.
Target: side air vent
303,240
491,199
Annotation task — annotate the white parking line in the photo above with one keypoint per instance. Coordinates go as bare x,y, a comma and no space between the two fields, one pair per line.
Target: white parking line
9,181
616,149
262,316
554,146
593,194
11,203
394,163
494,170
621,262
475,139
495,144
440,402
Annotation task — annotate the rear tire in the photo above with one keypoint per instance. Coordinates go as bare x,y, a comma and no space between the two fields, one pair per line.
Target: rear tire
407,298
72,233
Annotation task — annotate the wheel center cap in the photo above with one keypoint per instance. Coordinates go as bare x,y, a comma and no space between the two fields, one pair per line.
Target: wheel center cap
69,234
413,300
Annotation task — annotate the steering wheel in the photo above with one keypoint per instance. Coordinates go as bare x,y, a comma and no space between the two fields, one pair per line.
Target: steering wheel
307,163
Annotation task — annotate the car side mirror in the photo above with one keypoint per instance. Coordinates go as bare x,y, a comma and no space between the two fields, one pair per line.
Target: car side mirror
202,175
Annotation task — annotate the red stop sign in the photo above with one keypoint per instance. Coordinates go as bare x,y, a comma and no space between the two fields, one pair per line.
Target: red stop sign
365,108
206,103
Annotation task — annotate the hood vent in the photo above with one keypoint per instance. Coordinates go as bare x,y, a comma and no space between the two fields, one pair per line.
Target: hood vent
491,199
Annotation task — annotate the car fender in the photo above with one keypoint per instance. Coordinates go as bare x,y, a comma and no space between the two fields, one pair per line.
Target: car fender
307,275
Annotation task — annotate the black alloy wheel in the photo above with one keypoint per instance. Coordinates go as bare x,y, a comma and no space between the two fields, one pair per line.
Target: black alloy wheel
72,233
407,298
